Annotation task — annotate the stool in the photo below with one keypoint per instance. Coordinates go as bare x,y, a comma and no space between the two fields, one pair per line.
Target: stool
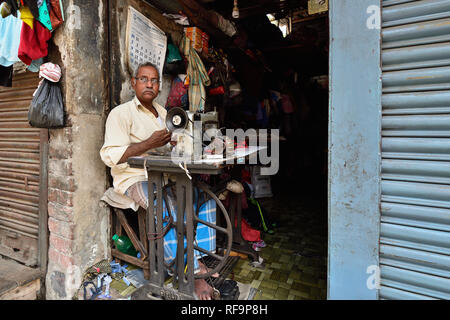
119,222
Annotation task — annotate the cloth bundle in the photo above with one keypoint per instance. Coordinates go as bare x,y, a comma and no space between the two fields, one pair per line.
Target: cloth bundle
50,71
197,75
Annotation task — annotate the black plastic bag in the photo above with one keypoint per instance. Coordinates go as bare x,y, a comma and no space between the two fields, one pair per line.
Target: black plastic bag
47,108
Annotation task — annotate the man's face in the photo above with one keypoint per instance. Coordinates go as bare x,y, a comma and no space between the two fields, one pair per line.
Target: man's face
143,84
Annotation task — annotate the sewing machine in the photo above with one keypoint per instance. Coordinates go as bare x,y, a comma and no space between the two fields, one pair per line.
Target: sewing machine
192,131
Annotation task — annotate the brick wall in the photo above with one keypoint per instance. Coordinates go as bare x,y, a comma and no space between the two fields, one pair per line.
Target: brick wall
61,188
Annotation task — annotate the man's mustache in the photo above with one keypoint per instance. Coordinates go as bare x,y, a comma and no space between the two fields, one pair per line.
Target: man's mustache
149,90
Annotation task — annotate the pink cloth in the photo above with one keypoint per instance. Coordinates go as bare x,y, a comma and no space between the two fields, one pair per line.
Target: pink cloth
50,71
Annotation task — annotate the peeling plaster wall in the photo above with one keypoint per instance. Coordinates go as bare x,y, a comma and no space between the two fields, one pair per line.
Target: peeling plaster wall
78,224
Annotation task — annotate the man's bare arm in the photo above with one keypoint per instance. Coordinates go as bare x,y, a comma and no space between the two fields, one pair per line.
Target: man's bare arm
158,139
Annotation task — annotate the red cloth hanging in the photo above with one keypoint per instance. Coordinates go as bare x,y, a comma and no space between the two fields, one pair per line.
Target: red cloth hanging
33,42
247,232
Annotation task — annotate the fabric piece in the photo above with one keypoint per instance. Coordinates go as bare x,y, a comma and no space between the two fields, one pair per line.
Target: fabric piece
178,95
26,16
127,124
247,232
44,16
35,65
6,74
226,26
205,237
50,71
10,29
198,77
33,7
33,42
56,13
117,200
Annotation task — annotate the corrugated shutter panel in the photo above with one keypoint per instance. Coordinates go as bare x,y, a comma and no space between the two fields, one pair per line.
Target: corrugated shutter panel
415,187
19,171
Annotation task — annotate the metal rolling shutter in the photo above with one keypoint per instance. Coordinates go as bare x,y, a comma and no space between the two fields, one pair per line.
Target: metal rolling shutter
415,185
19,172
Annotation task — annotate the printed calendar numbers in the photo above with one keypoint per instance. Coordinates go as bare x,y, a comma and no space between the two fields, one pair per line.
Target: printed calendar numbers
146,42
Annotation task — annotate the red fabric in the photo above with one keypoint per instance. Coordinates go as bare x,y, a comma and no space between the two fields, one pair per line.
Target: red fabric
55,14
246,176
33,42
247,232
176,94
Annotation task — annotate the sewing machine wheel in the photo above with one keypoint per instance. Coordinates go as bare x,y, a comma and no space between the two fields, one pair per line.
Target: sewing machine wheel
206,194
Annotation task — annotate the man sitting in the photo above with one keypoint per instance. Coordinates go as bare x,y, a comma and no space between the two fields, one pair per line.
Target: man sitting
134,128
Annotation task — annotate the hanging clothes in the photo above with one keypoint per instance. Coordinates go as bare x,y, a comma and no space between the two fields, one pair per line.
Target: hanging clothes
198,77
178,95
33,42
10,29
6,74
11,8
26,16
36,65
56,13
33,6
44,16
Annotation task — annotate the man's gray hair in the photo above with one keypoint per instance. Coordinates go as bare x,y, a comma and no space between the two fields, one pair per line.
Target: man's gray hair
146,64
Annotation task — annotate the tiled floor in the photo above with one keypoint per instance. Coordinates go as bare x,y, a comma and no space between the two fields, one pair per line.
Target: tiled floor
296,254
295,258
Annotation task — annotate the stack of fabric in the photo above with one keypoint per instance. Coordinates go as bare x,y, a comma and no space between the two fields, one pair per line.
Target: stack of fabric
25,28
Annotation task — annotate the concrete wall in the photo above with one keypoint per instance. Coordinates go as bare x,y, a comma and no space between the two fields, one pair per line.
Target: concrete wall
78,225
354,151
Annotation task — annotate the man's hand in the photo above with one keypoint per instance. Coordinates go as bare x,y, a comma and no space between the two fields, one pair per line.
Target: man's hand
156,140
159,138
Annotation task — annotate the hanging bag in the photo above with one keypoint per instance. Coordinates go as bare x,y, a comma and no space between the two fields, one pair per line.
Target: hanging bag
47,109
174,63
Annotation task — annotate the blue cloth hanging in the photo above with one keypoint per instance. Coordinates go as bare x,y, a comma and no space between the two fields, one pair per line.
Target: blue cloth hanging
10,28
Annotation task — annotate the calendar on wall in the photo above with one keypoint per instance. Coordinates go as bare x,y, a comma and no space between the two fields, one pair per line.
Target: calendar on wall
145,41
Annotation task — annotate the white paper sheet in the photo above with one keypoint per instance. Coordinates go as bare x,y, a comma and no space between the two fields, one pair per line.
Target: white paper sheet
145,41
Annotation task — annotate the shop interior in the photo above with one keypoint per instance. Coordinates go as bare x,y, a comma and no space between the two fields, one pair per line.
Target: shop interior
274,75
